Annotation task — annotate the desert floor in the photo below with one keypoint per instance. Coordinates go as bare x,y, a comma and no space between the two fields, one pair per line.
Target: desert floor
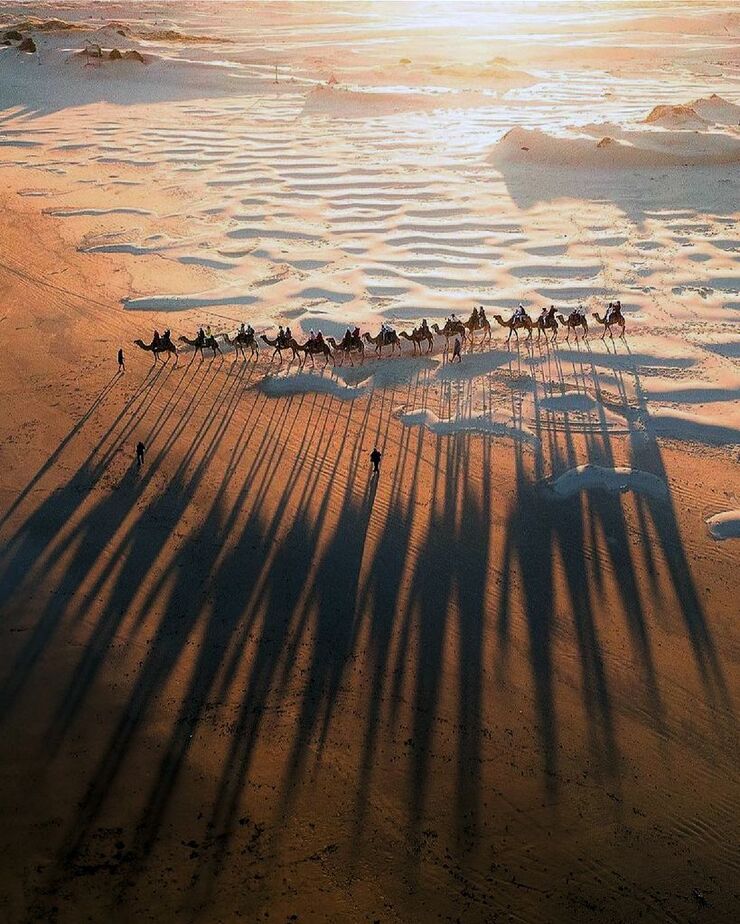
249,682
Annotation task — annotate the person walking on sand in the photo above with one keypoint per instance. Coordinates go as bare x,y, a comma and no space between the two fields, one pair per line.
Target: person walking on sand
375,458
140,449
456,351
121,363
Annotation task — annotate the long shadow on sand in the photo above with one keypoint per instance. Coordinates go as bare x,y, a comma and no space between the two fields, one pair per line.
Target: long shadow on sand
280,593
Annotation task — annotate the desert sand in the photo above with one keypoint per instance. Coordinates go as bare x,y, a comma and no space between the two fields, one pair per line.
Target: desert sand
249,682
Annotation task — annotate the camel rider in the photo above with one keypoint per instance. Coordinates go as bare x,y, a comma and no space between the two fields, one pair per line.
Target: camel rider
155,339
288,336
201,338
166,336
482,319
347,339
356,333
387,332
474,317
319,339
250,330
580,312
520,314
241,328
423,327
208,332
281,336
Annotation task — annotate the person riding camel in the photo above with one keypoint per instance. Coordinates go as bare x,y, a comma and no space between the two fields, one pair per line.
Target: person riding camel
482,319
208,332
156,339
424,327
580,311
166,336
241,328
201,338
356,333
474,318
520,314
281,336
250,330
288,336
387,331
319,341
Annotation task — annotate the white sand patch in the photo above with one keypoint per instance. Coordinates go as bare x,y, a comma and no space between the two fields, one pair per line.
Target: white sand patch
597,477
725,525
185,302
304,383
461,423
687,426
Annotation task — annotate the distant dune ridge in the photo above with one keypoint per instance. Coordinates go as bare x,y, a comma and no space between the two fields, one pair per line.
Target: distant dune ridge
664,144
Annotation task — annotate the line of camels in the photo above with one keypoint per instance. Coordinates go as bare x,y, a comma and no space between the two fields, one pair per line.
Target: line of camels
547,325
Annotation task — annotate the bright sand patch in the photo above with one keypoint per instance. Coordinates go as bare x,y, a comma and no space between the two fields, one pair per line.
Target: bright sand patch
597,477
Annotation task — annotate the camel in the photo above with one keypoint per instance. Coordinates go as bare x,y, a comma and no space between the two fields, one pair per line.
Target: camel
278,346
613,316
347,346
384,338
310,348
546,322
475,324
201,344
164,346
515,324
574,321
451,329
242,340
417,337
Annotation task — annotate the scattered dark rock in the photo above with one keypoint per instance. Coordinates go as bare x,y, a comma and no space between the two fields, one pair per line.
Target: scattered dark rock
134,55
28,45
115,55
13,35
405,61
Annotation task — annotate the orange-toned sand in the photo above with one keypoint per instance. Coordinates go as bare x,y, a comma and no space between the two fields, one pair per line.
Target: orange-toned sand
248,683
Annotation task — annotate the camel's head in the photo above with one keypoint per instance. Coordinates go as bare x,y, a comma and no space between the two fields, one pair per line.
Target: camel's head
139,343
367,337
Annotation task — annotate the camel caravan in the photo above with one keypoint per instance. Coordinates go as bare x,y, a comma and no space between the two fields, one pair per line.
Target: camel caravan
353,342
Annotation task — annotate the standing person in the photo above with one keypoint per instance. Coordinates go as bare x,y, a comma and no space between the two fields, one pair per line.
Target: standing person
121,363
375,458
456,351
140,449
